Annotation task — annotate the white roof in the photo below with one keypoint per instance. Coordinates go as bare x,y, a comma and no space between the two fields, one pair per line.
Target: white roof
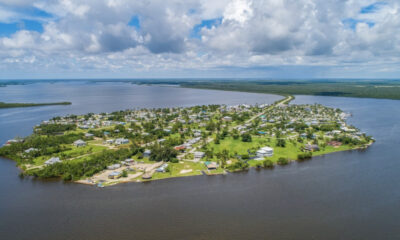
267,149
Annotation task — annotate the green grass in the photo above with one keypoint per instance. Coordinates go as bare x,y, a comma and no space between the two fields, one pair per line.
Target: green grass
290,152
176,168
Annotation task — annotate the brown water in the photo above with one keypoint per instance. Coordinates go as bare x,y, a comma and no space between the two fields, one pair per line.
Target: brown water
347,195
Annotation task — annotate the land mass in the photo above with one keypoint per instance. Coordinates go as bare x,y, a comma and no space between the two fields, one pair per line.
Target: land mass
15,105
148,144
385,89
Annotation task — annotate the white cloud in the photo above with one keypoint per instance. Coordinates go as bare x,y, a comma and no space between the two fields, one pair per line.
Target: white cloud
90,34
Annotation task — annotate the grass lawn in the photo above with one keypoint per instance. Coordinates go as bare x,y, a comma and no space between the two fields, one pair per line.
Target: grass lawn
176,168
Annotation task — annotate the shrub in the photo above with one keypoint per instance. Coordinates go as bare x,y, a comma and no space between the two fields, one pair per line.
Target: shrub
268,164
283,161
246,137
304,156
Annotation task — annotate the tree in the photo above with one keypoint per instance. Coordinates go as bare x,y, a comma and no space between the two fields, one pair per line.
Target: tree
246,137
216,140
281,143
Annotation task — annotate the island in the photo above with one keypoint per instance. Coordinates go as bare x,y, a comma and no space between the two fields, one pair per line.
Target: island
15,105
150,144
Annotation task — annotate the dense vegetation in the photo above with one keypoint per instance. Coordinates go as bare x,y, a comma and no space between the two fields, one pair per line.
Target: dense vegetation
15,105
389,89
74,170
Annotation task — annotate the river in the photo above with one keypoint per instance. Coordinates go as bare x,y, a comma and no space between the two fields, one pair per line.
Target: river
346,195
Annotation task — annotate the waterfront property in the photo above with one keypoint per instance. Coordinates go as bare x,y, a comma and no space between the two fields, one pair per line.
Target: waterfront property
149,144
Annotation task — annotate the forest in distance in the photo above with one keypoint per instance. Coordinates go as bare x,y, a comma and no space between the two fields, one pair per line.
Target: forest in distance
361,88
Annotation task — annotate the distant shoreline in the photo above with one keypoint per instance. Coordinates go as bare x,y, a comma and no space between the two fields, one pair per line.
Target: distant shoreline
16,105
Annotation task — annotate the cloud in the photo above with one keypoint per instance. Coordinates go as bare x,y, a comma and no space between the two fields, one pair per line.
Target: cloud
179,36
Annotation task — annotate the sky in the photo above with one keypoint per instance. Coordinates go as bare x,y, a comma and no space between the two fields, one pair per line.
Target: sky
199,39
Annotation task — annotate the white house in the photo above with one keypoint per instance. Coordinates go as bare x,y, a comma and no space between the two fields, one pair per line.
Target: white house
52,161
89,134
264,152
147,153
120,141
30,150
114,166
198,155
80,143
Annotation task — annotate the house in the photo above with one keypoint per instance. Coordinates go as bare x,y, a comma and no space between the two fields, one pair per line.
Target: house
30,150
115,175
334,143
147,153
79,143
129,161
198,155
114,166
88,135
180,148
227,118
120,141
162,168
211,165
264,152
52,161
311,147
109,141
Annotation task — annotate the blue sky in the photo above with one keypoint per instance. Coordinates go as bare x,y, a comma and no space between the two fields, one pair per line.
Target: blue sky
225,38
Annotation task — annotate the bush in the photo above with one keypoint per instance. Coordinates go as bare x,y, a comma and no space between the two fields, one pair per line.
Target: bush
281,143
268,164
283,161
174,160
304,156
246,137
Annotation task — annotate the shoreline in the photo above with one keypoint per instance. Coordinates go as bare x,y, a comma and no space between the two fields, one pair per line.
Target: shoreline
225,172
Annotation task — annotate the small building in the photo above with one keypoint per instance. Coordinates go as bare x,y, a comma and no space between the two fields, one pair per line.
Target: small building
109,141
334,143
79,143
115,175
198,155
180,147
227,119
264,152
311,147
88,135
147,153
162,168
114,166
120,141
211,165
30,150
129,161
52,160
